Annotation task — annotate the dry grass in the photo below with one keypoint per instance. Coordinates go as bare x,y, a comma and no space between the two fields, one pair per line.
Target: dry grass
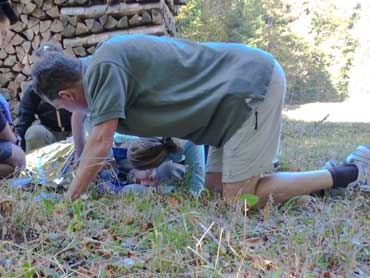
178,236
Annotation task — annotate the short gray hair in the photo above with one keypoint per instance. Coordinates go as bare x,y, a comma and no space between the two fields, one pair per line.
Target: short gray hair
55,72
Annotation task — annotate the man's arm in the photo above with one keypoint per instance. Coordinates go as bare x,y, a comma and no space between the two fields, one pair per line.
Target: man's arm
78,132
93,157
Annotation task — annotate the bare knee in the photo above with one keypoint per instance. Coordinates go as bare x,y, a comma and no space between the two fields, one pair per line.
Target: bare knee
231,190
262,191
38,136
35,132
255,185
16,160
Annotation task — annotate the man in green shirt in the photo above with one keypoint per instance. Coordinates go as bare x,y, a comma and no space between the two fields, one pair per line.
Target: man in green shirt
229,96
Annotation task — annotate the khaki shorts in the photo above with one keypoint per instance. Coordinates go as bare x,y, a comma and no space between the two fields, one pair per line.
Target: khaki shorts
38,136
254,147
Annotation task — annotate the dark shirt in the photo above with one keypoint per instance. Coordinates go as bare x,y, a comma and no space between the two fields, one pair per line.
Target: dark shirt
31,105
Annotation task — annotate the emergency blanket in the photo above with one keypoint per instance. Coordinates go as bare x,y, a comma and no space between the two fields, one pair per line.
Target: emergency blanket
50,166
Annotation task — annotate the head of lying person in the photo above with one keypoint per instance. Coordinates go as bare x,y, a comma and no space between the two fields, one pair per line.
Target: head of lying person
146,153
167,173
57,79
144,177
7,17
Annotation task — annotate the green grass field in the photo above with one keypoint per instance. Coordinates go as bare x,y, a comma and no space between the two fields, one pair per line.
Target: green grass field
178,236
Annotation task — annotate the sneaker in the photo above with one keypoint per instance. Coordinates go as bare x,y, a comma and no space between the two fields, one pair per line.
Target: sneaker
361,159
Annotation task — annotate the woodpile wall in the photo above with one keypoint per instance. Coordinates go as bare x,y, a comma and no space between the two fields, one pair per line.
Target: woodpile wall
78,25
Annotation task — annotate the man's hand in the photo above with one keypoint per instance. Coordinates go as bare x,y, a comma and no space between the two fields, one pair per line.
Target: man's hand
170,172
93,157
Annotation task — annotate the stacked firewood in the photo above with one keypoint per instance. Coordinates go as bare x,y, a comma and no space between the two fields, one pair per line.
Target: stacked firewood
78,25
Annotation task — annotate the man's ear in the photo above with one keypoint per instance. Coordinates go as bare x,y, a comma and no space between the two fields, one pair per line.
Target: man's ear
66,95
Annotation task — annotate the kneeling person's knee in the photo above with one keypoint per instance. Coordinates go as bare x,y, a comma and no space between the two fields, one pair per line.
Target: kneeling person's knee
38,136
12,158
36,132
231,190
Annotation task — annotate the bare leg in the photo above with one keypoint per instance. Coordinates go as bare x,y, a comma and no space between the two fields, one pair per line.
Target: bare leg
282,186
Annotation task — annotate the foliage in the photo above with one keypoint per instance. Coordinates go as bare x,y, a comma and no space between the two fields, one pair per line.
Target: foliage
313,40
250,199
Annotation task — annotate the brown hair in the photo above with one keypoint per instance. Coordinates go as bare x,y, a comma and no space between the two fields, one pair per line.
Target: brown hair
55,72
146,153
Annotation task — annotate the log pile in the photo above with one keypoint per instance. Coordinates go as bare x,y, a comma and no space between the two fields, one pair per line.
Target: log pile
78,25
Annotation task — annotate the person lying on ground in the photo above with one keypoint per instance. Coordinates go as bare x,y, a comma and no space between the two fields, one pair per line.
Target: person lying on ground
167,173
146,154
166,177
226,95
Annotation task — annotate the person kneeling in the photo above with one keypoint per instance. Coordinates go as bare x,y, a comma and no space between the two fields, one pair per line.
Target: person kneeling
12,157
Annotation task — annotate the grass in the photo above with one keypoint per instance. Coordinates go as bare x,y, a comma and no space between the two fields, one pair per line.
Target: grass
179,236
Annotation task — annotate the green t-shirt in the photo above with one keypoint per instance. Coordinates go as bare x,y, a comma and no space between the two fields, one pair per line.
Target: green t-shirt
160,86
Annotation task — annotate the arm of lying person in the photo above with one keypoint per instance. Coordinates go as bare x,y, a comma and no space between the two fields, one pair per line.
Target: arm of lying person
78,133
94,156
195,161
168,176
169,172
